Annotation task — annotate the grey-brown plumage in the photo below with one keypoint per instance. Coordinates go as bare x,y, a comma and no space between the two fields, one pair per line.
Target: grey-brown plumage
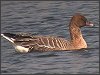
38,43
28,42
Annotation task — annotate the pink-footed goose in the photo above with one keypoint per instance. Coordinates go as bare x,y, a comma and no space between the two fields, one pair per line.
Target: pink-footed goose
26,43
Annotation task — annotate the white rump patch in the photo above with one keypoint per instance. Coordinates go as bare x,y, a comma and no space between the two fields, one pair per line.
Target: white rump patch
91,24
21,49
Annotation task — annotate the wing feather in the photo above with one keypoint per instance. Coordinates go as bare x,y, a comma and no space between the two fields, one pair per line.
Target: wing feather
41,43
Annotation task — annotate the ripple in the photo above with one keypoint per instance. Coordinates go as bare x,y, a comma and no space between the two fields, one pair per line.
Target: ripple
49,17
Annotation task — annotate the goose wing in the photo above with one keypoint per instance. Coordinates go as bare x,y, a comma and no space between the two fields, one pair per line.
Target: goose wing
38,43
42,43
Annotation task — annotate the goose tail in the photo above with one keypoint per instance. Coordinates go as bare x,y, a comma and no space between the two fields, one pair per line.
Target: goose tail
9,36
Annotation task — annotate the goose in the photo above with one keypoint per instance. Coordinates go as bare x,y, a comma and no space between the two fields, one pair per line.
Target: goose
25,43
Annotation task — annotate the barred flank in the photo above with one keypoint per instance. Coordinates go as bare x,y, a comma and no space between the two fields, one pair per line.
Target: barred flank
43,43
51,43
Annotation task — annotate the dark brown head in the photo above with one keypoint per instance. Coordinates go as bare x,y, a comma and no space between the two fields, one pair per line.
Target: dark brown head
80,21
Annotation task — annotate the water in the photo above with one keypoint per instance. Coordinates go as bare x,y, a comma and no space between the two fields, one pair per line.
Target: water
49,18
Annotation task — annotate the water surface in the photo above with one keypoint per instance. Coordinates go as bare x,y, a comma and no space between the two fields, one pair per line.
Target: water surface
49,18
